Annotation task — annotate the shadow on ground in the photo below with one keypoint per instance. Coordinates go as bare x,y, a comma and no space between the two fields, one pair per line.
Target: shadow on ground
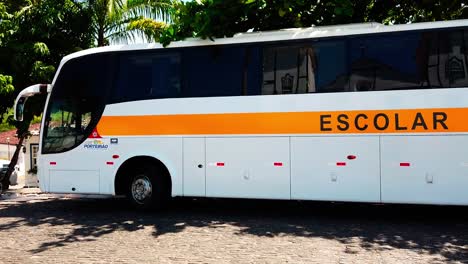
436,230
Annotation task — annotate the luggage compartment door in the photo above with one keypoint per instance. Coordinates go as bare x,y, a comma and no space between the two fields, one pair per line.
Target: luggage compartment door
248,167
335,168
194,166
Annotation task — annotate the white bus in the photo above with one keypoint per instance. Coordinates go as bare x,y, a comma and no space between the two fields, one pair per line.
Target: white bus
362,113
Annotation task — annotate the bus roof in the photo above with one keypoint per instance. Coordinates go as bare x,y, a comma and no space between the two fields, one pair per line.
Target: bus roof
281,35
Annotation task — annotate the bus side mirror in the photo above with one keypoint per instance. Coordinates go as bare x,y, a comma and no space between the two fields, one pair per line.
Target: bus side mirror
23,96
19,108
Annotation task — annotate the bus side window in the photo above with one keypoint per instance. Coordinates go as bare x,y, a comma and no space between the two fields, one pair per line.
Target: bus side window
409,60
446,63
288,70
384,62
147,75
213,71
332,74
252,71
318,66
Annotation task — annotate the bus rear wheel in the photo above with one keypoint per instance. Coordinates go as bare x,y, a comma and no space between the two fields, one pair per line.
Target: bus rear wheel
147,189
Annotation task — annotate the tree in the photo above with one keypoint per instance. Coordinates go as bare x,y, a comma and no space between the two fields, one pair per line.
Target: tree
221,18
33,40
15,5
125,20
400,12
6,81
36,34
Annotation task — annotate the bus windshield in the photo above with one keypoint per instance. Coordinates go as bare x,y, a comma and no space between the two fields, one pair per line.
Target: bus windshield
76,103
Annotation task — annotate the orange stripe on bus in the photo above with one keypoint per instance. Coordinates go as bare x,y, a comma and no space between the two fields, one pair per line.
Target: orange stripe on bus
324,122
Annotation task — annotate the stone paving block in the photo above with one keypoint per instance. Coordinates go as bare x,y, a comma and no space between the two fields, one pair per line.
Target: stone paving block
42,228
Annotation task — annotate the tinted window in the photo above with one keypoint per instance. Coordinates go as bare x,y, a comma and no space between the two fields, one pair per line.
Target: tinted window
444,58
76,103
384,62
217,71
408,60
331,69
285,70
402,60
147,76
306,68
206,71
252,71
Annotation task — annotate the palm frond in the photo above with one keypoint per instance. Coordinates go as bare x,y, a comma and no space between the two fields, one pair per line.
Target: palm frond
145,29
122,37
114,7
157,10
124,21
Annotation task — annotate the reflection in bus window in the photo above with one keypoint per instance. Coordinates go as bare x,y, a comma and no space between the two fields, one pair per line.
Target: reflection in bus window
409,60
67,123
76,103
384,62
308,68
288,70
332,68
445,58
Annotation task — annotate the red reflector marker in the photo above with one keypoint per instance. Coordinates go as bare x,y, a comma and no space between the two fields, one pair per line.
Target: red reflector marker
220,164
404,164
53,163
341,164
351,157
278,164
115,156
110,163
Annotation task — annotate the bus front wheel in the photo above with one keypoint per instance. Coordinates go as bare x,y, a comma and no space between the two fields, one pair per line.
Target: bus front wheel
147,188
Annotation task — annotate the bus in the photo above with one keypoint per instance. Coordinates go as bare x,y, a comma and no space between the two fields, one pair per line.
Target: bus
359,113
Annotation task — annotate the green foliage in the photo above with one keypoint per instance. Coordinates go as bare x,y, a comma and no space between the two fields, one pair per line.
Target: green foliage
36,119
147,27
125,20
59,26
343,7
6,84
399,12
13,6
6,121
223,18
160,10
6,27
41,71
34,36
41,49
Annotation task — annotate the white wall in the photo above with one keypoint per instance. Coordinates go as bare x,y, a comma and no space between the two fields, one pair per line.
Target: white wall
30,179
4,151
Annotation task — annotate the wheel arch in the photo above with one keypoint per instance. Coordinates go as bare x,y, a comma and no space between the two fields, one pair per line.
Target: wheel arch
122,178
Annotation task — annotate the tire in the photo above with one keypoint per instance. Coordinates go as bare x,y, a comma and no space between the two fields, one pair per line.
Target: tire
147,188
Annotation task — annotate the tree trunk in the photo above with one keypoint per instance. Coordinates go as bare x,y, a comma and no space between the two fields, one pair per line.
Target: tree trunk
15,157
101,39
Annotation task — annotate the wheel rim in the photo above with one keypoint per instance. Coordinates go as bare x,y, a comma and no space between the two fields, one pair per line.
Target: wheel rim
141,189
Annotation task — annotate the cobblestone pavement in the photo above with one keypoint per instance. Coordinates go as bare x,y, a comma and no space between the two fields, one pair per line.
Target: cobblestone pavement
46,229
